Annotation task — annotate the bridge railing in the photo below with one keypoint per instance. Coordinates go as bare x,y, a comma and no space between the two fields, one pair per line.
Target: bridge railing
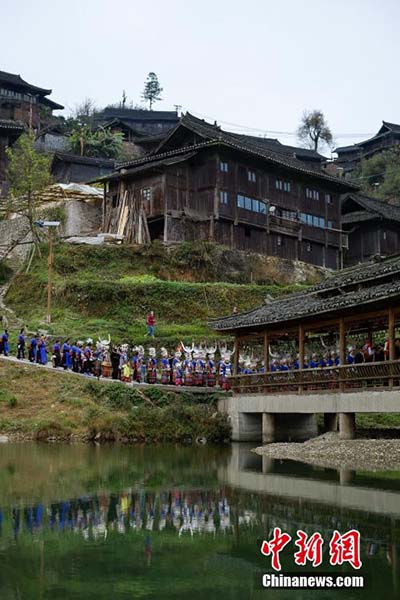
327,379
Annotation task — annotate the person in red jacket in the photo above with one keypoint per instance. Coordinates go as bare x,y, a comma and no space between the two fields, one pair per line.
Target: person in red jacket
151,324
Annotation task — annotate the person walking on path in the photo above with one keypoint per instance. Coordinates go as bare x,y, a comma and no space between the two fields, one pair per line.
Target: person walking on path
4,343
21,345
151,324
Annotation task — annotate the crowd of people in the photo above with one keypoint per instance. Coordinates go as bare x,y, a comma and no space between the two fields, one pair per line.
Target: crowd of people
189,366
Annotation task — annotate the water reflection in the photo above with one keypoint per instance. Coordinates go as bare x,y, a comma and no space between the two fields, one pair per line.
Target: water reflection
166,522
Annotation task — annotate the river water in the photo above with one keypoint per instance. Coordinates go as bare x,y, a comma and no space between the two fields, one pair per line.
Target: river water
85,522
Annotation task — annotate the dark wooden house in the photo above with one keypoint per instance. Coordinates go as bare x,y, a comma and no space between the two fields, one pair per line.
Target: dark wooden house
349,157
22,106
373,228
70,168
247,193
142,130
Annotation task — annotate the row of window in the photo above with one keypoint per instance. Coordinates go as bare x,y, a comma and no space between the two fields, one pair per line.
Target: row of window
17,95
252,204
314,221
280,241
280,184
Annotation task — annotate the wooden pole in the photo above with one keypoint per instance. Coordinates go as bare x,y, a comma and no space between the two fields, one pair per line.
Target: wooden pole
236,355
266,352
49,277
342,347
301,352
391,337
391,334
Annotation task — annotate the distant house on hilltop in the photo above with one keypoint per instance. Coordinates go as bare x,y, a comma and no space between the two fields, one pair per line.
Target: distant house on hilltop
349,157
245,192
142,129
22,106
373,228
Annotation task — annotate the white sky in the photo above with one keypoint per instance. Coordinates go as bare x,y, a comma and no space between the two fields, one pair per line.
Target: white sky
256,64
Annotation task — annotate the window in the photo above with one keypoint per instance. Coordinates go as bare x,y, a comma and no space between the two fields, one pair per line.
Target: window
240,201
291,215
309,247
313,194
313,220
252,204
384,235
223,166
248,203
223,197
285,186
330,224
115,200
146,194
328,199
247,232
279,240
251,176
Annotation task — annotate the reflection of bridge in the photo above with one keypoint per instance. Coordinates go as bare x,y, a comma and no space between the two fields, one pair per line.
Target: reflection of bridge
242,472
358,306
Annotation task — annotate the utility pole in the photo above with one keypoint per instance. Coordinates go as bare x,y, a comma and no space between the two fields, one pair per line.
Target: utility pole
50,262
49,276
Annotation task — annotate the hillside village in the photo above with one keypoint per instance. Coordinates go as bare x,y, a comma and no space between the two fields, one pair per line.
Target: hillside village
179,179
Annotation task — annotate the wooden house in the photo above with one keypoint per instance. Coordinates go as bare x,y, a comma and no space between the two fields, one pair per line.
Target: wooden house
349,157
22,106
71,168
373,228
241,191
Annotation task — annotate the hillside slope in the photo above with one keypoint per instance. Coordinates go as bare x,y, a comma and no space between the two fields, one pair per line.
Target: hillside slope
110,289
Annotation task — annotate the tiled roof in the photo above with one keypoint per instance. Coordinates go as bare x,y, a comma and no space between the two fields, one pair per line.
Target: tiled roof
369,283
213,135
130,114
86,160
372,206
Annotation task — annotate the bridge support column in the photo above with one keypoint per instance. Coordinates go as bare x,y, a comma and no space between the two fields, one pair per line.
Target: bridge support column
347,425
346,476
268,428
330,422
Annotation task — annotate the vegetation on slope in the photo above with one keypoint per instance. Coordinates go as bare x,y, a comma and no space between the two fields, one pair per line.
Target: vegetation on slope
43,404
101,290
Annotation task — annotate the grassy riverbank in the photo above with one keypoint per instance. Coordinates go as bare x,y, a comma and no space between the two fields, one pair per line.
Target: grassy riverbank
108,289
42,405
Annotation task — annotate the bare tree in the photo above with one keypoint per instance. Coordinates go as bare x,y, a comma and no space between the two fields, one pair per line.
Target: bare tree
314,130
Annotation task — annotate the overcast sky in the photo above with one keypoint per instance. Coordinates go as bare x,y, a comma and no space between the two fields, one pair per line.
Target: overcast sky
253,65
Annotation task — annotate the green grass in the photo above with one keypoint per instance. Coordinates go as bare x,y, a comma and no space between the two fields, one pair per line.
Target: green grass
101,290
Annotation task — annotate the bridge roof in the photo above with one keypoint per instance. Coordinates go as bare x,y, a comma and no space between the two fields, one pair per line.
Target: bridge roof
357,290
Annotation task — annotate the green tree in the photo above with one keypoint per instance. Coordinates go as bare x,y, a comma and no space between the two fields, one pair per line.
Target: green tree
102,143
314,130
28,174
152,90
380,175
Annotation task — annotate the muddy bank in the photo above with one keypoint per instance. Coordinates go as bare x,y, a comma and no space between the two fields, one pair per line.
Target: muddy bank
359,454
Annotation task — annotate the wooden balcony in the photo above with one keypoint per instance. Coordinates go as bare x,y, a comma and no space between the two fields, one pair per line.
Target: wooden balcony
373,376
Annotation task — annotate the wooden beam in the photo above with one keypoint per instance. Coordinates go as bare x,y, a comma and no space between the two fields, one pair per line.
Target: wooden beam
392,334
266,352
342,342
236,355
301,352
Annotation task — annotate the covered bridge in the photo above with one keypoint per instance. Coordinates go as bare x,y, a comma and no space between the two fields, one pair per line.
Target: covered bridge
363,302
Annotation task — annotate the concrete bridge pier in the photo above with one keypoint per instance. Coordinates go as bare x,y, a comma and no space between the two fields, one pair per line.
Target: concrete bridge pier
347,425
330,422
268,428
